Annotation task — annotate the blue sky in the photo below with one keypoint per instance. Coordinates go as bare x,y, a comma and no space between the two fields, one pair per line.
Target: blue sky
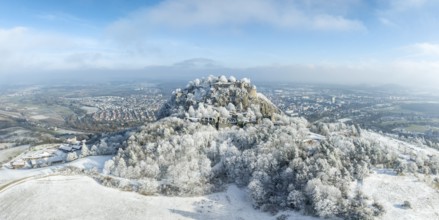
338,41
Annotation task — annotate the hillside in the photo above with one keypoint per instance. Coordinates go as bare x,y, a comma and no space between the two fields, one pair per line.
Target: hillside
284,164
93,203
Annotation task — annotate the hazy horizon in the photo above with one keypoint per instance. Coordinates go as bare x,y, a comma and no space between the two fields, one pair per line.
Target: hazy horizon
337,42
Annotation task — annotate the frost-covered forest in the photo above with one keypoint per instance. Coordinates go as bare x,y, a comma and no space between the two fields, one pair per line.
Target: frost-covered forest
284,162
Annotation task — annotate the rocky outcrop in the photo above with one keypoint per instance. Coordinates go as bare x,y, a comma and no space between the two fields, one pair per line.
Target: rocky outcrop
219,98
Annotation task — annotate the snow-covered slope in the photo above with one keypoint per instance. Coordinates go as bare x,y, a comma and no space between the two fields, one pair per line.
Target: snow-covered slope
80,197
10,175
392,190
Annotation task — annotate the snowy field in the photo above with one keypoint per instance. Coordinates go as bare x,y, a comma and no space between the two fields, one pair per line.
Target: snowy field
392,190
39,117
7,154
9,175
41,194
80,197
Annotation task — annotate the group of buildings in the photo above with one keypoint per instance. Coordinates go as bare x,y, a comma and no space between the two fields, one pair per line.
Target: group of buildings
47,156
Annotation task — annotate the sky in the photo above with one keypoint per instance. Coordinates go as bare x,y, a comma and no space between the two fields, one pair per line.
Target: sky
337,41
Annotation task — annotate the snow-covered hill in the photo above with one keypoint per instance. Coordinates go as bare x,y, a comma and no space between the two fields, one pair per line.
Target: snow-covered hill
280,163
225,100
280,159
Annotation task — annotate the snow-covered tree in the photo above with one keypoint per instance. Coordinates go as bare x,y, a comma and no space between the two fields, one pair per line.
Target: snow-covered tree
191,111
224,112
84,150
196,82
231,107
94,150
121,168
257,190
108,166
324,198
222,79
148,186
71,156
232,79
246,80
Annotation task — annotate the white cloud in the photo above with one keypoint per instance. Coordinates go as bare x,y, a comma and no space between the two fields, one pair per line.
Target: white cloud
326,22
201,13
198,63
425,49
403,5
26,50
399,13
60,16
387,22
23,49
